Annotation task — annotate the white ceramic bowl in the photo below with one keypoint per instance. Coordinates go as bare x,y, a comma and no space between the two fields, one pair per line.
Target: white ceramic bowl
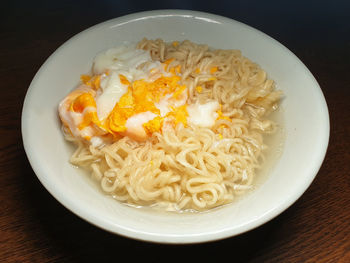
305,114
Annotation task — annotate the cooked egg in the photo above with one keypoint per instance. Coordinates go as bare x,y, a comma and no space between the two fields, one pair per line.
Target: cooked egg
77,109
203,115
131,95
120,58
111,91
134,125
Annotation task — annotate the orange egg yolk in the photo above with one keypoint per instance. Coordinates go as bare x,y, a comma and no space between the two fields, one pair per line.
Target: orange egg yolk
141,97
85,104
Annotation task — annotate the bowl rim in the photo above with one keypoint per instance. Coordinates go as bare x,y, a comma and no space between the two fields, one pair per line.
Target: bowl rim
164,237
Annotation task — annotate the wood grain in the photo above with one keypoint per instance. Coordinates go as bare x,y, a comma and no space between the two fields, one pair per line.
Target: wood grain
34,227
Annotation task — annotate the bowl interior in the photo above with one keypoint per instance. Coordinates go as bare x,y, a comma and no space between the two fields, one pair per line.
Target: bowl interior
305,113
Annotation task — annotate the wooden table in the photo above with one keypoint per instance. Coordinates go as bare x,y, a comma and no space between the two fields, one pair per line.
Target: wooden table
34,227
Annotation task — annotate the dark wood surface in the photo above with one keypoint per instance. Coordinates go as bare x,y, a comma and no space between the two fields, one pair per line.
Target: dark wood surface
34,227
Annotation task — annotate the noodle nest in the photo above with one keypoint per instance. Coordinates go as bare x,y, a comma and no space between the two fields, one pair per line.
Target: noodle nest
192,168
